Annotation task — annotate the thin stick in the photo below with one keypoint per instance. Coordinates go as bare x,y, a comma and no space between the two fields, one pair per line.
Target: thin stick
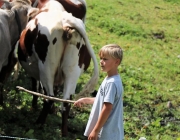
44,96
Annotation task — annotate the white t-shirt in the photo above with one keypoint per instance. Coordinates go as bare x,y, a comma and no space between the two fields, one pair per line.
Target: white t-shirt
111,91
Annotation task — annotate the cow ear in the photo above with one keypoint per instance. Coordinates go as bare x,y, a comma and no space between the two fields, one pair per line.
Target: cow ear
32,12
5,4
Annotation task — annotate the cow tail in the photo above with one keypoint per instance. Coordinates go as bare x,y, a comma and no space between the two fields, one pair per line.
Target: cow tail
91,84
70,21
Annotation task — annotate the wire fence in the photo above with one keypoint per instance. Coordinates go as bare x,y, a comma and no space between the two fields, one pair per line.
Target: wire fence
2,137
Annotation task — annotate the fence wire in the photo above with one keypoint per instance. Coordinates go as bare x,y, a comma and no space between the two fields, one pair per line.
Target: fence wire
2,137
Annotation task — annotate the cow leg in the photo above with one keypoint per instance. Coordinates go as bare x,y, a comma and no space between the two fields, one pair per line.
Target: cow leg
71,77
65,114
35,89
53,108
69,88
1,94
47,79
5,73
46,109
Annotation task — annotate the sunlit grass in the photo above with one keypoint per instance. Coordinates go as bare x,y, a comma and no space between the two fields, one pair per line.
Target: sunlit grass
148,32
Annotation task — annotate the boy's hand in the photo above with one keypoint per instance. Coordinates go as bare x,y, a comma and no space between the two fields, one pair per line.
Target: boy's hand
93,135
79,103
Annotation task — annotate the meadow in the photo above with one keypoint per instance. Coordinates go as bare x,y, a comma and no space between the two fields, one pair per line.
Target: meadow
149,33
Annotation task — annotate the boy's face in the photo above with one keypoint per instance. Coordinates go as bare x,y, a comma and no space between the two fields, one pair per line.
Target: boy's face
108,64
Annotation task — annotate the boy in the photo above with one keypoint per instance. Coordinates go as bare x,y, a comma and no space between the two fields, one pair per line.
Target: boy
106,117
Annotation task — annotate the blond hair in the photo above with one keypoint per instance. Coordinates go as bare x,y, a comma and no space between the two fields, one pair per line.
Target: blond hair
112,50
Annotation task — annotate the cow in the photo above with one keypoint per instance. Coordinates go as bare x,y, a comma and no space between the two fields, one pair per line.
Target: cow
78,9
55,50
13,19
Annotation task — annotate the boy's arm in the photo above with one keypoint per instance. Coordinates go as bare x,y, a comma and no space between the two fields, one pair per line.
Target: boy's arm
83,101
106,110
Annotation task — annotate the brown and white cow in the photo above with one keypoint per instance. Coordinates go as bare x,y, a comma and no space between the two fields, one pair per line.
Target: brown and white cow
55,49
78,10
13,20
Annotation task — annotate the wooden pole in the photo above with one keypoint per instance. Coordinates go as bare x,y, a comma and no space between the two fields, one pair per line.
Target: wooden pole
44,96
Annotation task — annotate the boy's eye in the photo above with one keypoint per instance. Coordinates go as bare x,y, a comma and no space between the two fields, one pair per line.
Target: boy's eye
103,59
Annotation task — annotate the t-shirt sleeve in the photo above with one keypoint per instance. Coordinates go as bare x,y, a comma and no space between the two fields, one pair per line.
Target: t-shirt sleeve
110,93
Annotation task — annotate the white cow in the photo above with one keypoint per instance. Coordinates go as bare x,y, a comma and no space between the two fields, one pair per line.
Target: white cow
13,20
54,49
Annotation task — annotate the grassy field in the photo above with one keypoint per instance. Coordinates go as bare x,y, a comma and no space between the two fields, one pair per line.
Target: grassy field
149,33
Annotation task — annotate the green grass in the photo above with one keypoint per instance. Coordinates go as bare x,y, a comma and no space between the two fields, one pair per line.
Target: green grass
136,26
148,32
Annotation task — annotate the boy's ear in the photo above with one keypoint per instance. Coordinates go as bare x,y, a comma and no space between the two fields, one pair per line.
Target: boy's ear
118,61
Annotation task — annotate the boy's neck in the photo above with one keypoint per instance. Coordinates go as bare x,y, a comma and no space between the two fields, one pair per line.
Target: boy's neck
112,73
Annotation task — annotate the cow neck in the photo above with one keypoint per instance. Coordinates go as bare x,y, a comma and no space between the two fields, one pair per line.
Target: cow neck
18,22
